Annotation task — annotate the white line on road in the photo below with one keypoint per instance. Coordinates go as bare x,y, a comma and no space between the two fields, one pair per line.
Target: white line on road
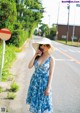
70,50
64,59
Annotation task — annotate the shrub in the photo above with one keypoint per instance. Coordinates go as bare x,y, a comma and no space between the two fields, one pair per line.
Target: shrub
14,40
11,95
14,87
18,38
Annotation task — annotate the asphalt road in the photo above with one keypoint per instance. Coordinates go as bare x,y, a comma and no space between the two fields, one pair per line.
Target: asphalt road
66,80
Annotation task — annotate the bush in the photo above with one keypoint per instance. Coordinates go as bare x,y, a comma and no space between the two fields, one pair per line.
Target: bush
11,95
18,38
14,40
14,87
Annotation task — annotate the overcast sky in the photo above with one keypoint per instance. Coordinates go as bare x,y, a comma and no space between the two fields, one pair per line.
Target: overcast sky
52,13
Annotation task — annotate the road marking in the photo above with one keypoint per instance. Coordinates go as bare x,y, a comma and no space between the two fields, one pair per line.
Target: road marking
64,59
73,51
72,58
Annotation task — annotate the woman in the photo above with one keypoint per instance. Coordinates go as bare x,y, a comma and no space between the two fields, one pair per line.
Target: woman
39,93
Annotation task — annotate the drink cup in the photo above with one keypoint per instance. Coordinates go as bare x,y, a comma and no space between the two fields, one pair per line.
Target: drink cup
40,53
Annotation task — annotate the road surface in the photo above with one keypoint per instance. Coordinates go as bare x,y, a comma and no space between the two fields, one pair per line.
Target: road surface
66,80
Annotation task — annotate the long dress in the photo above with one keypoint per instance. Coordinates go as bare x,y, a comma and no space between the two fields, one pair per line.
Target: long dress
38,101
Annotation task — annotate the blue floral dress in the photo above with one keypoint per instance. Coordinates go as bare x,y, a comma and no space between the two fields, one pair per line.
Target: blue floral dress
39,102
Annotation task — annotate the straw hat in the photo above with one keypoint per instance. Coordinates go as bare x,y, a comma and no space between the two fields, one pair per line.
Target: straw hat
35,43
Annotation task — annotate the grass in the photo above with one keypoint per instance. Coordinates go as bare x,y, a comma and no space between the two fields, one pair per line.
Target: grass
70,43
11,95
14,87
9,57
1,90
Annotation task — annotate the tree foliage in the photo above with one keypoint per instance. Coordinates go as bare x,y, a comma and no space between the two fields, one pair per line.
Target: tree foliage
46,31
8,14
27,16
18,15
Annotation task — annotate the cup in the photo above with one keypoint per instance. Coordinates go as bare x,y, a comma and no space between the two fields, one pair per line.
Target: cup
40,53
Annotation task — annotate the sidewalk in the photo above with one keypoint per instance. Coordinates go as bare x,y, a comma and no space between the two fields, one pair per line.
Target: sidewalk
22,76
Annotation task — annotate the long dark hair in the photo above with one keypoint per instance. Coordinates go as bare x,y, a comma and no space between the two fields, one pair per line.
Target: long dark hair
39,49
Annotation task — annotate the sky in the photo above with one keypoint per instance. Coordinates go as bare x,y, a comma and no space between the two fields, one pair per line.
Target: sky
57,12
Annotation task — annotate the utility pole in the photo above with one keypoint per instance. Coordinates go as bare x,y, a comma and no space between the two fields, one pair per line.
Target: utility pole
68,7
49,23
57,21
73,32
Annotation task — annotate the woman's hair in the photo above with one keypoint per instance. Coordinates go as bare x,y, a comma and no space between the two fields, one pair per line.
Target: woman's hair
39,49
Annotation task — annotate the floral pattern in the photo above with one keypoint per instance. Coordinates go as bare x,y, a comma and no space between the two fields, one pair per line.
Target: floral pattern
39,102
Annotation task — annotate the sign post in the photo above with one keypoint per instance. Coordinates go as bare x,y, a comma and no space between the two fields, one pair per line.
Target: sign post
5,34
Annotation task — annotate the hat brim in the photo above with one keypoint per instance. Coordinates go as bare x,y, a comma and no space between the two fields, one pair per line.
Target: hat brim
35,44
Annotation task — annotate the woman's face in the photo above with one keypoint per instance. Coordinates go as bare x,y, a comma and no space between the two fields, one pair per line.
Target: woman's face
44,47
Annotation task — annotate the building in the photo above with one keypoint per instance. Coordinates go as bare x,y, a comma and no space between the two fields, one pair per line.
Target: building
73,31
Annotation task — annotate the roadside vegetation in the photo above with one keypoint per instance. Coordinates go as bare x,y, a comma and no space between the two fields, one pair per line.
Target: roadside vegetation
21,20
1,89
8,60
70,43
45,31
14,87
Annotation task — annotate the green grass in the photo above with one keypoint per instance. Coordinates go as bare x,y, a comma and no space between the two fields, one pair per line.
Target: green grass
9,58
14,87
1,89
23,37
11,95
70,43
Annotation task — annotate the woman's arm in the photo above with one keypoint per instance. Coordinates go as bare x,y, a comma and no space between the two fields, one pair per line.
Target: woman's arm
31,63
51,71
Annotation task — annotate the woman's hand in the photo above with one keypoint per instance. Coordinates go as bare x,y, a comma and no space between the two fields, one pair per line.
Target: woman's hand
37,52
47,91
31,63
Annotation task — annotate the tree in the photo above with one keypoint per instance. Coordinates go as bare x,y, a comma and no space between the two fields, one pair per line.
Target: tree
29,18
48,32
52,32
8,14
18,16
44,30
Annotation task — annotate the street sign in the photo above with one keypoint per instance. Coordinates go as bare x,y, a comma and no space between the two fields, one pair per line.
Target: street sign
5,34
